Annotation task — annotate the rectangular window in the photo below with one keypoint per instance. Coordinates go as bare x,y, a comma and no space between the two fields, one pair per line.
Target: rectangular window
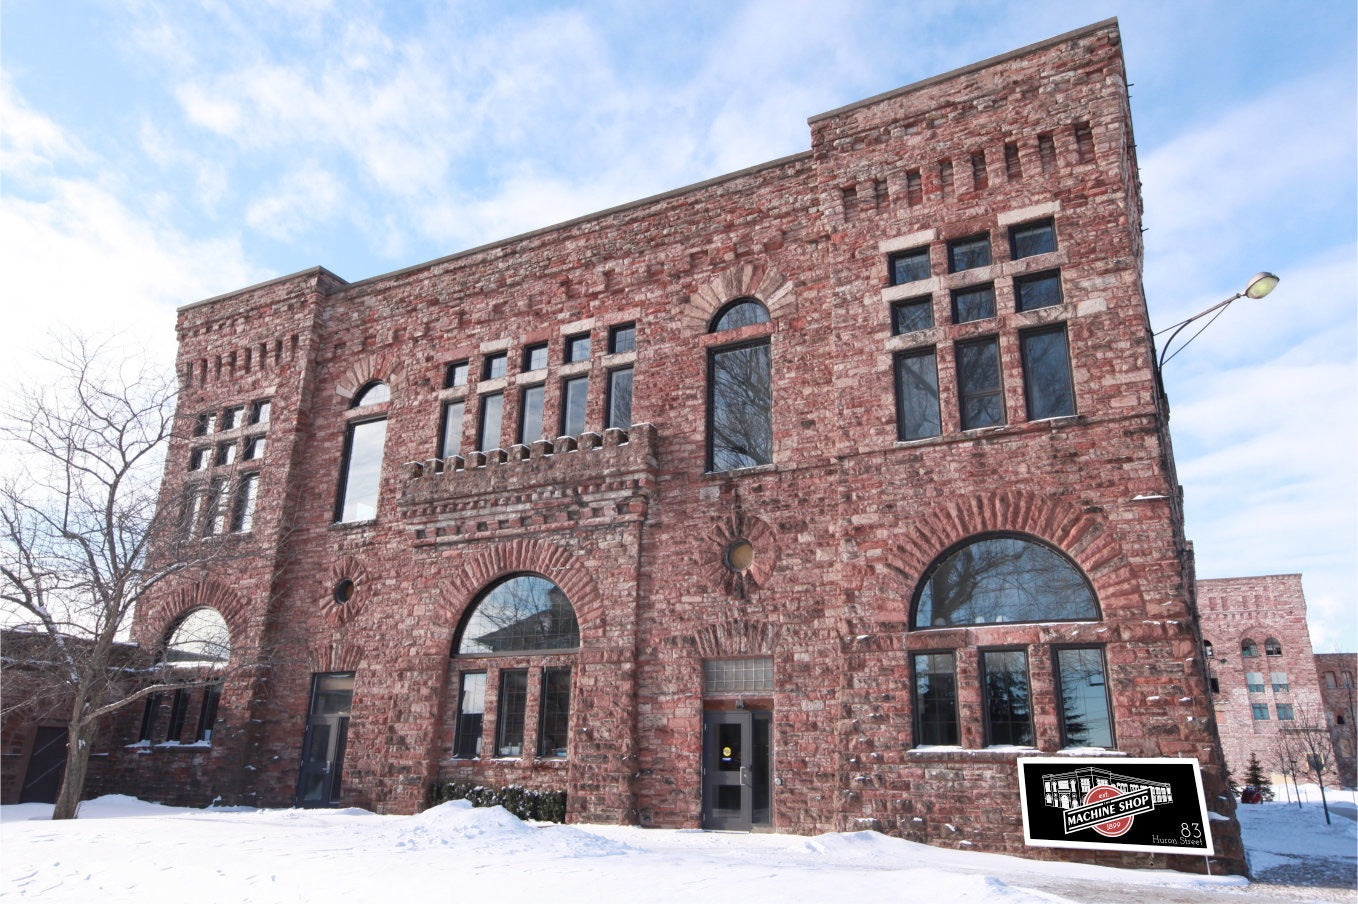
935,699
1254,682
622,338
226,453
260,411
1216,684
1040,290
1285,712
535,357
254,448
456,375
205,423
510,715
207,713
973,303
574,393
554,712
530,413
492,409
450,434
191,510
1008,719
215,515
1259,711
981,396
969,253
912,315
917,415
577,348
1027,239
470,714
243,507
619,402
233,417
909,266
361,474
725,677
198,459
739,410
1279,682
1082,688
148,717
495,366
178,710
1047,384
1330,680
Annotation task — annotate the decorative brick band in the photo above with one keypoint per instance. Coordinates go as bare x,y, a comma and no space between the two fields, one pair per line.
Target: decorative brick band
169,609
364,369
756,280
484,566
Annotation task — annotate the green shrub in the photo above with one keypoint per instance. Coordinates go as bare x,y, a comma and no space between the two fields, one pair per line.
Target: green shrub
525,803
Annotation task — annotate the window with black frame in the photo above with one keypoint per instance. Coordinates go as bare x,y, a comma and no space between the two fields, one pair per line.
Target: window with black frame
935,699
1047,386
740,393
917,413
1082,692
1006,705
361,467
979,387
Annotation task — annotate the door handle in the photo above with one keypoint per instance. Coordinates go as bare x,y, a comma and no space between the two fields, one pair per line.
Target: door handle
745,776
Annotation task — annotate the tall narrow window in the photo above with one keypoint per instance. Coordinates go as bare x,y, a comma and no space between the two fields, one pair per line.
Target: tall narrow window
178,710
148,717
740,417
980,392
470,714
492,410
450,436
207,712
619,400
513,705
574,393
935,703
530,413
1008,717
214,520
361,469
1047,385
1082,684
243,508
259,411
554,712
917,415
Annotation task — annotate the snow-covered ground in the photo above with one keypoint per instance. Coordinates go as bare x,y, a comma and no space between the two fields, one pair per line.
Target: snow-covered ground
123,850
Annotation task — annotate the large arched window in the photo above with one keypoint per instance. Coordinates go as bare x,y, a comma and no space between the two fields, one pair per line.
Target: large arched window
1272,647
361,468
1005,579
739,392
1248,648
519,631
1002,579
196,649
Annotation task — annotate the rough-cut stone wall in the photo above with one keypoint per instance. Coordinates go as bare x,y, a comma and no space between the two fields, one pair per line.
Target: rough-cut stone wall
843,522
1260,610
1338,674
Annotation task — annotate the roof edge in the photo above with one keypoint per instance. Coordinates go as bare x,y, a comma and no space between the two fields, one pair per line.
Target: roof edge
316,271
964,70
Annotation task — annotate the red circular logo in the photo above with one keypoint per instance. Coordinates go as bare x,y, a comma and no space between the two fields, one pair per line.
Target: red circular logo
1113,827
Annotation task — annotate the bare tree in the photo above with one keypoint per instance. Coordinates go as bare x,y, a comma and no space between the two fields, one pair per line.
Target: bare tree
78,516
1304,747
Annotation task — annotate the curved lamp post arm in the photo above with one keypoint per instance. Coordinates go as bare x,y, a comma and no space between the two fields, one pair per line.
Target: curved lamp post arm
1259,286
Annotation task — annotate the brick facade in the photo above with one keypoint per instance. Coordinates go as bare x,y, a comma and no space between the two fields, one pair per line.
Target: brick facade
1337,672
1263,671
639,531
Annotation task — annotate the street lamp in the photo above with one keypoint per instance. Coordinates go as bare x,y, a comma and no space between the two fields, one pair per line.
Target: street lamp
1259,286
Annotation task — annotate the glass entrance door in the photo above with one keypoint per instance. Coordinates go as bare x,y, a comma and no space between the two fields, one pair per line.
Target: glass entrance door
327,731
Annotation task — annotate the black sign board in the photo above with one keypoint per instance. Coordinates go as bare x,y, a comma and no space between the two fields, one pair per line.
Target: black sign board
1114,804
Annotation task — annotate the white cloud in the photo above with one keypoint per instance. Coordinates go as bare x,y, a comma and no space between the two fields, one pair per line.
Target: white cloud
298,200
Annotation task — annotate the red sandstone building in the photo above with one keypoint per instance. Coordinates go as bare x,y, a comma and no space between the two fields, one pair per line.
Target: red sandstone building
1267,684
805,498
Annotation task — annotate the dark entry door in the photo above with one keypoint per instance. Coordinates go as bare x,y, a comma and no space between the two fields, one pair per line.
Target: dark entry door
728,770
327,731
42,779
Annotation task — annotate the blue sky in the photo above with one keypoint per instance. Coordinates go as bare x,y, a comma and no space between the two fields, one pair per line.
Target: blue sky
153,154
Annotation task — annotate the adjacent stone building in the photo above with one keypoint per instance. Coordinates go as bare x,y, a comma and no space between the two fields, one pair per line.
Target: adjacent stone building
1337,689
1263,673
805,498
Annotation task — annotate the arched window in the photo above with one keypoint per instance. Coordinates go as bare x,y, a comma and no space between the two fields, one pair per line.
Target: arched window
739,392
195,649
1002,579
1272,647
1207,648
518,629
1248,649
361,467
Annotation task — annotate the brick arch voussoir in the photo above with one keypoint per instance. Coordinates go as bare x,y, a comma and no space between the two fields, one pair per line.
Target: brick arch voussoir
484,567
736,637
753,280
366,368
172,607
1083,537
